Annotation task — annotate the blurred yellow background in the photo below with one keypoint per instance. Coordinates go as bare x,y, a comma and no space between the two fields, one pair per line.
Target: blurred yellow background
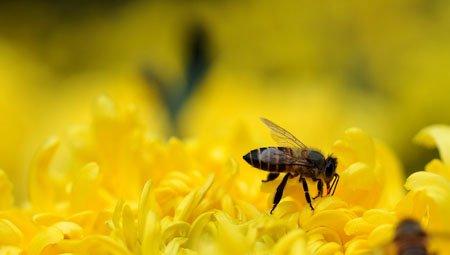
209,69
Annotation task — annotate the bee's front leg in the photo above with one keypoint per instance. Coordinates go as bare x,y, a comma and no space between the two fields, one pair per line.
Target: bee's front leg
319,188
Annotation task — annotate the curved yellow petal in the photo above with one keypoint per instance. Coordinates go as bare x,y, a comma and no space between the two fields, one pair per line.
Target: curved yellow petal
381,235
175,230
40,188
85,187
69,229
143,206
357,247
10,250
379,216
356,146
438,167
129,229
330,248
173,247
46,219
192,200
287,242
435,185
6,196
335,219
93,244
327,233
197,229
45,238
358,226
151,240
230,236
10,234
436,136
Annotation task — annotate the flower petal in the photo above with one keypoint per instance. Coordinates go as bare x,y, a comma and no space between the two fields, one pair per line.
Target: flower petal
151,240
436,136
84,192
381,235
329,249
10,250
10,234
192,200
69,229
174,246
45,238
129,228
294,240
197,228
41,190
94,244
6,196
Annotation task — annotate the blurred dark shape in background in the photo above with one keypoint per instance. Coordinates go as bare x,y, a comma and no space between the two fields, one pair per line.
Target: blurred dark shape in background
198,60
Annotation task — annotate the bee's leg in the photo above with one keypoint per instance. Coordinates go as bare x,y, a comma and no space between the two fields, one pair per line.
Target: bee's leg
271,177
335,183
279,193
306,190
319,188
328,187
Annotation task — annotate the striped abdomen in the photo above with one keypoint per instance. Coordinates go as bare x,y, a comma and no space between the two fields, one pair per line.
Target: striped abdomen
272,159
418,248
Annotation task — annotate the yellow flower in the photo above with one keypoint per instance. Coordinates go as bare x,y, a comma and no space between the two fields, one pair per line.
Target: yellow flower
112,187
428,199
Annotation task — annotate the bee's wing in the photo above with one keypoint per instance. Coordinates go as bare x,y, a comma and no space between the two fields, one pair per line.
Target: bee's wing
276,156
282,136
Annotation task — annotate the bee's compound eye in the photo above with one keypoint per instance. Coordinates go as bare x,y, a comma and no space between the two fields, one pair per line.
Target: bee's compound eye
330,167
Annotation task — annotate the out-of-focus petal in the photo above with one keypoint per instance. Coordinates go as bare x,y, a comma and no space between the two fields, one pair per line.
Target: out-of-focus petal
436,136
197,229
85,189
10,250
381,235
191,201
46,237
10,234
94,244
69,229
293,242
40,188
6,196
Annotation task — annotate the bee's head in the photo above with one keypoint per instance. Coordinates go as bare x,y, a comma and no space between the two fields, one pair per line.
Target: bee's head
330,167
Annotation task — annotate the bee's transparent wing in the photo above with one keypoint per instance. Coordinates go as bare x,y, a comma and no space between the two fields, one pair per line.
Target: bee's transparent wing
282,136
274,155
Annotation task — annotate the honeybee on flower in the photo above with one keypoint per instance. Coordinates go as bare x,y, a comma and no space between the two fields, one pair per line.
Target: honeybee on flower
295,160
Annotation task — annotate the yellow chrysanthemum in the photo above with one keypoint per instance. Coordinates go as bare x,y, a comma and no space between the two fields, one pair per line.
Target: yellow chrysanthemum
112,187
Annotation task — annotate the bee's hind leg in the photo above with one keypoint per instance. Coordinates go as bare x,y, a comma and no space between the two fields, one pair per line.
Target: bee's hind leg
271,177
279,193
306,190
319,188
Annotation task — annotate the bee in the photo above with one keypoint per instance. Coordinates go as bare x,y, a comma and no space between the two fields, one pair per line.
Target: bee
294,159
410,238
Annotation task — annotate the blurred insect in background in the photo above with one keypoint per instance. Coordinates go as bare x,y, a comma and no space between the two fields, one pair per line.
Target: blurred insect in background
295,159
410,238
